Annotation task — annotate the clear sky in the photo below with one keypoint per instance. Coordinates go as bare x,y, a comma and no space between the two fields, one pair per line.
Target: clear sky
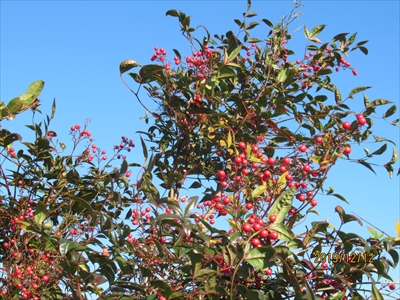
76,48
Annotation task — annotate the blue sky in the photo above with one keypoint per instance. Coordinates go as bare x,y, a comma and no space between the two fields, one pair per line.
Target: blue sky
76,48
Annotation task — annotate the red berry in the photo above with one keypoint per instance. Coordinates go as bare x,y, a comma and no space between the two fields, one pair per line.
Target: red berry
347,150
273,235
268,271
346,125
319,139
362,121
242,145
392,286
302,148
271,161
355,73
313,202
255,242
221,174
237,160
286,161
247,227
249,205
272,218
263,234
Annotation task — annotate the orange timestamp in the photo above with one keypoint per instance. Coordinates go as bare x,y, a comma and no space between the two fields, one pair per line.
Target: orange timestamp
351,258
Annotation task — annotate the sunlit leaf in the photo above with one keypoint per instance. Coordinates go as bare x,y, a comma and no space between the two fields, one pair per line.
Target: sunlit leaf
128,64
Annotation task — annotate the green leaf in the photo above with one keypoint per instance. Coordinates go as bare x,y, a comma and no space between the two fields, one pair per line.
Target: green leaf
366,101
365,164
53,109
390,111
397,228
149,73
338,97
196,261
282,205
285,234
252,25
205,272
316,30
127,64
363,50
395,156
172,12
124,167
379,102
373,232
191,203
340,197
40,213
35,88
306,32
316,227
395,256
258,191
283,74
163,286
65,246
381,150
260,257
376,295
357,90
268,22
234,54
144,147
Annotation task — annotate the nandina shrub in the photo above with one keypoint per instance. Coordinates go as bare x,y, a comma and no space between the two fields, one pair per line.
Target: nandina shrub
229,114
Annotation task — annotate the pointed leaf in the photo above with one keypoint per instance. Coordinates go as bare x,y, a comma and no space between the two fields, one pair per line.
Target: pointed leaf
258,191
191,203
340,197
144,147
53,109
366,101
338,97
234,54
390,111
316,30
268,22
357,90
381,150
306,32
283,73
376,295
367,165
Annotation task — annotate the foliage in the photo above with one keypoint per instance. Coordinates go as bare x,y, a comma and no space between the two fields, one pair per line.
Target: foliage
241,113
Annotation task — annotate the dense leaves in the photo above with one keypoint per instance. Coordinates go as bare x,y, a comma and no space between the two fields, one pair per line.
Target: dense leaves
250,131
